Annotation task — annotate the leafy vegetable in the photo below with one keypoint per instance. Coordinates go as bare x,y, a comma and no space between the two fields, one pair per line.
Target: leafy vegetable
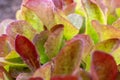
101,69
62,40
69,58
19,27
93,12
27,52
53,43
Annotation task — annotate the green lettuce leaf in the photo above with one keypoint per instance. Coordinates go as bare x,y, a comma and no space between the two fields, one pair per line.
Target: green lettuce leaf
92,12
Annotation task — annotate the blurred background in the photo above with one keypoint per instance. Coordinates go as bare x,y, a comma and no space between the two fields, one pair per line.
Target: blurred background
8,8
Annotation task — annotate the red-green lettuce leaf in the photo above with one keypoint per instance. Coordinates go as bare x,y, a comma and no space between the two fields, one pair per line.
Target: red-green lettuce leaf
69,58
116,55
69,7
39,41
4,45
84,75
29,16
88,45
103,66
19,27
108,46
3,25
44,72
106,31
27,51
92,12
15,71
4,75
54,41
116,24
24,76
44,9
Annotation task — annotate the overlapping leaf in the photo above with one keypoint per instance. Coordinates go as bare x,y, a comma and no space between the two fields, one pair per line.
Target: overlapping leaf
69,58
88,45
4,45
24,76
16,70
27,51
39,41
12,59
93,12
69,30
29,16
44,10
4,75
84,75
37,78
116,55
19,27
76,20
66,59
58,4
3,25
68,77
54,41
103,66
69,7
108,46
44,72
105,31
116,24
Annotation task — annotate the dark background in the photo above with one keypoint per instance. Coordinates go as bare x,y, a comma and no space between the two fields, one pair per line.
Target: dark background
8,8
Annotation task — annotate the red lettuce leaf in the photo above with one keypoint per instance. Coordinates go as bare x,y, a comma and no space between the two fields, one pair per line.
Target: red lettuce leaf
36,78
27,51
108,46
103,66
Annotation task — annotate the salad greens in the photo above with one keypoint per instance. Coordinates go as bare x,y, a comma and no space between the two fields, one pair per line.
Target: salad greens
62,40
